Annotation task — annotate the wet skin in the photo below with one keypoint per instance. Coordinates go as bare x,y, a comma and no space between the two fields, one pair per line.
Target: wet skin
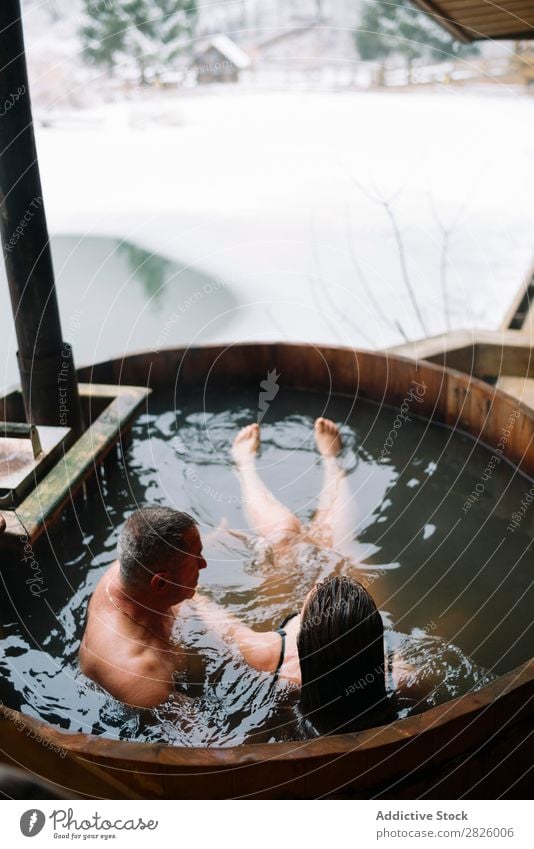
127,646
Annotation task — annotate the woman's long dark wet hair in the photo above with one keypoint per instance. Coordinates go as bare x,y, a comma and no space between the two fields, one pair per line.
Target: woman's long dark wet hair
341,652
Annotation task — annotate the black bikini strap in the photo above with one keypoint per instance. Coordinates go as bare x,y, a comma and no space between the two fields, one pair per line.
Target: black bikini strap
283,633
288,618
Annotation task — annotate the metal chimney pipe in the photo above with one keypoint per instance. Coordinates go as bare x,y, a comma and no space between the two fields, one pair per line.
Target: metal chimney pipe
46,363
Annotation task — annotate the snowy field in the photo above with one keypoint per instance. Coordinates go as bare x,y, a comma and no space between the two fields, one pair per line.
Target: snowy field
353,218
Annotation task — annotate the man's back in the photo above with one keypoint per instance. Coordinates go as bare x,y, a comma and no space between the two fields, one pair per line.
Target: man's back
122,655
127,647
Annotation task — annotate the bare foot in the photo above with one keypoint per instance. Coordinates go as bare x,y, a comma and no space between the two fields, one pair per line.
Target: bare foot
327,437
246,444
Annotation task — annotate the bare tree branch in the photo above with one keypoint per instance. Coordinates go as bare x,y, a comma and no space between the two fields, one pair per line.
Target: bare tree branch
365,286
386,204
446,233
331,302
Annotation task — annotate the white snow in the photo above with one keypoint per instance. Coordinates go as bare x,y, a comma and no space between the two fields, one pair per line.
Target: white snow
281,195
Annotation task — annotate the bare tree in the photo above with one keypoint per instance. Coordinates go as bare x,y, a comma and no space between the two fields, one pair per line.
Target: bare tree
446,233
387,205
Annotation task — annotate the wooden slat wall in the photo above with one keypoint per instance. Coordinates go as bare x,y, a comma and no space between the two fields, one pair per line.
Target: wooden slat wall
453,398
470,20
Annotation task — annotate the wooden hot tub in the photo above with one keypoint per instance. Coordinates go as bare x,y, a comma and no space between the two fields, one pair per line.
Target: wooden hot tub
475,746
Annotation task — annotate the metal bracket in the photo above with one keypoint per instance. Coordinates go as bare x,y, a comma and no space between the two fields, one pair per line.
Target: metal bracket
17,430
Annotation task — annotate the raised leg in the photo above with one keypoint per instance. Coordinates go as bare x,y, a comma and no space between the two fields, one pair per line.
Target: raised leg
334,521
266,515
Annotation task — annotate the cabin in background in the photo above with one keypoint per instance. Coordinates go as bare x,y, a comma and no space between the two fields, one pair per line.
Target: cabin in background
221,61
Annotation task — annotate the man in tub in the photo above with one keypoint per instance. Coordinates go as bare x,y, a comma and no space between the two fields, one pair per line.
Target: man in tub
127,646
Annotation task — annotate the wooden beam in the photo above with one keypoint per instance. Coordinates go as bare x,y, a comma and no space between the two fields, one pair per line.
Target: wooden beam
46,502
522,293
475,21
46,362
481,353
441,18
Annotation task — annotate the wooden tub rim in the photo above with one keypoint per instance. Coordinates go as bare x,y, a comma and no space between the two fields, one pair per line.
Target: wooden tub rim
460,709
470,380
453,712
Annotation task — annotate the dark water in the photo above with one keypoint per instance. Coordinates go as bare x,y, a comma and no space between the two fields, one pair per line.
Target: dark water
454,586
115,296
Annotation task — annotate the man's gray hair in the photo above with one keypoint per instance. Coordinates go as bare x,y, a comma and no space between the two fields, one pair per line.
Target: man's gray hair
150,538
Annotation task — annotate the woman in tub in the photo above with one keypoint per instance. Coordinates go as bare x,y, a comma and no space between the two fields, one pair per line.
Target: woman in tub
332,649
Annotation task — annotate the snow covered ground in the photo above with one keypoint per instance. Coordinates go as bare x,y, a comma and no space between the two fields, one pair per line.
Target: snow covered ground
355,218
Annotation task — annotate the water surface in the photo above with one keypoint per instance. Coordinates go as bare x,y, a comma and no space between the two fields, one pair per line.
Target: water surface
453,586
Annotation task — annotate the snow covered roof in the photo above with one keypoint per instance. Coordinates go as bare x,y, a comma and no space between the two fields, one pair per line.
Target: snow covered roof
230,50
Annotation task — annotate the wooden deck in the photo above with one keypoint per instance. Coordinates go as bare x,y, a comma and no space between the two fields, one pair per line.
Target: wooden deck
20,467
504,357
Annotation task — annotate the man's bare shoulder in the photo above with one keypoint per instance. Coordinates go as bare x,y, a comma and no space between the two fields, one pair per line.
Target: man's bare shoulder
110,573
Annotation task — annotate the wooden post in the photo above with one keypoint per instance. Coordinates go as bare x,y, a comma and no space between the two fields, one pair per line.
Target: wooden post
46,363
